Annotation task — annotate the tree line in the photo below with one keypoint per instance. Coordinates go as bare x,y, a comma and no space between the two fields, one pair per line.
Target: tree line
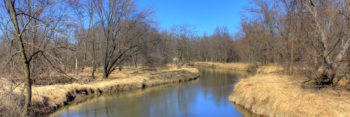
43,37
39,37
302,33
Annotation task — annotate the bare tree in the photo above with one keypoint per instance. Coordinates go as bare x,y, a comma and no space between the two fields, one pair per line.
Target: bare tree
303,33
325,19
181,35
121,24
27,18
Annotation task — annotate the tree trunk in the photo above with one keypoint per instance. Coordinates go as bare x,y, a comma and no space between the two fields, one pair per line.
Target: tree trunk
76,65
178,58
24,59
94,59
28,85
85,52
82,67
105,74
292,58
135,62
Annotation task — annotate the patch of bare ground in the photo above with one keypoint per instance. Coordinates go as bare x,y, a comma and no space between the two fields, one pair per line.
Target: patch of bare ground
281,95
48,98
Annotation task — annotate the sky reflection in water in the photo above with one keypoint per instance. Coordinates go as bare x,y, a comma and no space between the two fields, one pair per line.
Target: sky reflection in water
204,97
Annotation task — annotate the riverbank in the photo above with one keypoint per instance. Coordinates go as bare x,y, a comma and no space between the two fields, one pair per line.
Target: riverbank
281,95
48,98
121,95
271,93
245,67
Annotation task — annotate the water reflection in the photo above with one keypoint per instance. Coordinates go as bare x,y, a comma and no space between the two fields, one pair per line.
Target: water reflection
206,96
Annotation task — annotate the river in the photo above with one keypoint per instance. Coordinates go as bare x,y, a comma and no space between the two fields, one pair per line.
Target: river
203,97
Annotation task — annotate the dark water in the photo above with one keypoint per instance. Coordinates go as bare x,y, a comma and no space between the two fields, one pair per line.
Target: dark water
203,97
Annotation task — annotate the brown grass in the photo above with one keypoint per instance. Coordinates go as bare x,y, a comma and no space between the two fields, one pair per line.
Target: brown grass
229,66
241,67
279,95
270,69
48,98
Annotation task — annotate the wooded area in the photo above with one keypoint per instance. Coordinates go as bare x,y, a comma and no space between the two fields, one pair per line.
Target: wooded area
43,37
311,34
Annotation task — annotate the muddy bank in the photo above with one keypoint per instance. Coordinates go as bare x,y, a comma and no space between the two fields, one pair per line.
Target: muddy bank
47,99
281,95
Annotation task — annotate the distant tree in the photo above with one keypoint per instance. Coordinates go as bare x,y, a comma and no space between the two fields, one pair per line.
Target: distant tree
181,35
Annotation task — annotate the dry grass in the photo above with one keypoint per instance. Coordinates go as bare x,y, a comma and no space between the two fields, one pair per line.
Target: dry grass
270,69
233,66
279,95
241,67
48,98
245,112
11,103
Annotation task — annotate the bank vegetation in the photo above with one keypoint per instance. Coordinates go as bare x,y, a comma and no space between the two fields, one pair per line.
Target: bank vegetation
309,39
51,42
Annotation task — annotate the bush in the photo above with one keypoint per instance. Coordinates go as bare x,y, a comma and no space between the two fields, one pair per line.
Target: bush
153,61
252,69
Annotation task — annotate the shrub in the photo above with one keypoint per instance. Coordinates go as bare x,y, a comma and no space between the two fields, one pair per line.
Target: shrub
153,61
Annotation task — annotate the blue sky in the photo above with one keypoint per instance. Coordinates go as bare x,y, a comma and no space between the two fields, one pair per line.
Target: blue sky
204,14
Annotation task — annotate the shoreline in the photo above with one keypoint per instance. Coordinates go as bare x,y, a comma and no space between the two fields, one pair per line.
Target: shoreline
271,93
127,94
281,95
230,66
241,67
50,98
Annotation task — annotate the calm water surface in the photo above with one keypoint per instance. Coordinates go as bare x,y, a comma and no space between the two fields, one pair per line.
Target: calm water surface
206,96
